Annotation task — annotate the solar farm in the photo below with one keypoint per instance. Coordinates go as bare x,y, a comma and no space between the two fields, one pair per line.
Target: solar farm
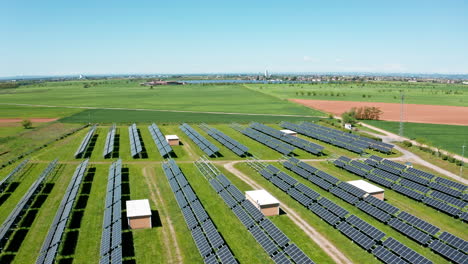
67,202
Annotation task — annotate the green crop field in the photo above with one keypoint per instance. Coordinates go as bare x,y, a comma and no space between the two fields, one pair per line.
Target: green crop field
386,92
447,137
129,94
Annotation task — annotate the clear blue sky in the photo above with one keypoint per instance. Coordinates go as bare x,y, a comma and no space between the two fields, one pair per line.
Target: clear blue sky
100,37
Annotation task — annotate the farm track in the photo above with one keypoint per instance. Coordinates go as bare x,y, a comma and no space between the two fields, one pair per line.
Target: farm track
156,110
320,240
173,249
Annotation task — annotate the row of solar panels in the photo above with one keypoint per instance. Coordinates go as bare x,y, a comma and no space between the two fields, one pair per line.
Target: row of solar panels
208,240
357,140
415,228
18,212
205,145
227,141
5,181
323,137
109,146
407,224
275,243
359,231
161,143
294,141
275,144
426,190
135,143
53,240
111,239
86,140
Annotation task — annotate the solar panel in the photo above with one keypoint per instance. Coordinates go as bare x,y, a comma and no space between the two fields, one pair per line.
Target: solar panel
386,256
324,214
419,236
419,223
86,140
365,227
405,252
332,207
297,256
448,252
356,236
454,241
227,141
374,211
10,175
199,140
135,143
160,140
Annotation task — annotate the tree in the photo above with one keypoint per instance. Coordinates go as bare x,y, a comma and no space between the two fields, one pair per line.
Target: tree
349,117
26,123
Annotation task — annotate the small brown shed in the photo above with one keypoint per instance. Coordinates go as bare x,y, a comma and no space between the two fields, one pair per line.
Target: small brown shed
264,201
173,140
139,214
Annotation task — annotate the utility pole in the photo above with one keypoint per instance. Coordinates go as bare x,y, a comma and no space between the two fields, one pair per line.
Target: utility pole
463,157
402,113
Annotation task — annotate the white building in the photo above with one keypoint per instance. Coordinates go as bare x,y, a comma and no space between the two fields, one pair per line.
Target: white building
371,189
264,201
138,214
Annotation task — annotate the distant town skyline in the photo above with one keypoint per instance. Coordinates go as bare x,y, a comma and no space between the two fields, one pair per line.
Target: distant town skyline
121,37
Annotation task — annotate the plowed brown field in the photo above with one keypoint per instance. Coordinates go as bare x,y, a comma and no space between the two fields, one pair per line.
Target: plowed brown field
433,114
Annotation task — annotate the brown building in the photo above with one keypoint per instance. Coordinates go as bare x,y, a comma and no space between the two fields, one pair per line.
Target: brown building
139,214
264,201
173,140
371,189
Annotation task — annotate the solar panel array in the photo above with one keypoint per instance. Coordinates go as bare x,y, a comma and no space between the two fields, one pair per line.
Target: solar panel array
442,194
276,244
84,144
338,138
18,212
109,146
359,231
294,141
227,141
411,226
271,142
111,239
161,143
208,240
205,145
135,142
54,236
4,182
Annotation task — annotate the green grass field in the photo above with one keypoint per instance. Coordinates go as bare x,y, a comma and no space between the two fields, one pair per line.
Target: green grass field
386,92
129,94
447,137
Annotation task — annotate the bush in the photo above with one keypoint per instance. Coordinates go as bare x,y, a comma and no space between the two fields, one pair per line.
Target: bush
407,144
27,124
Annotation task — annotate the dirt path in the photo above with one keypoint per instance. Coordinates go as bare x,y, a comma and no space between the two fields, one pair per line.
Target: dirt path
34,120
170,240
416,113
320,240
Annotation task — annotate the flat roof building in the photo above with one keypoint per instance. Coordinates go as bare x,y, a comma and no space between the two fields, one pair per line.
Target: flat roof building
173,140
139,214
264,201
371,189
289,132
